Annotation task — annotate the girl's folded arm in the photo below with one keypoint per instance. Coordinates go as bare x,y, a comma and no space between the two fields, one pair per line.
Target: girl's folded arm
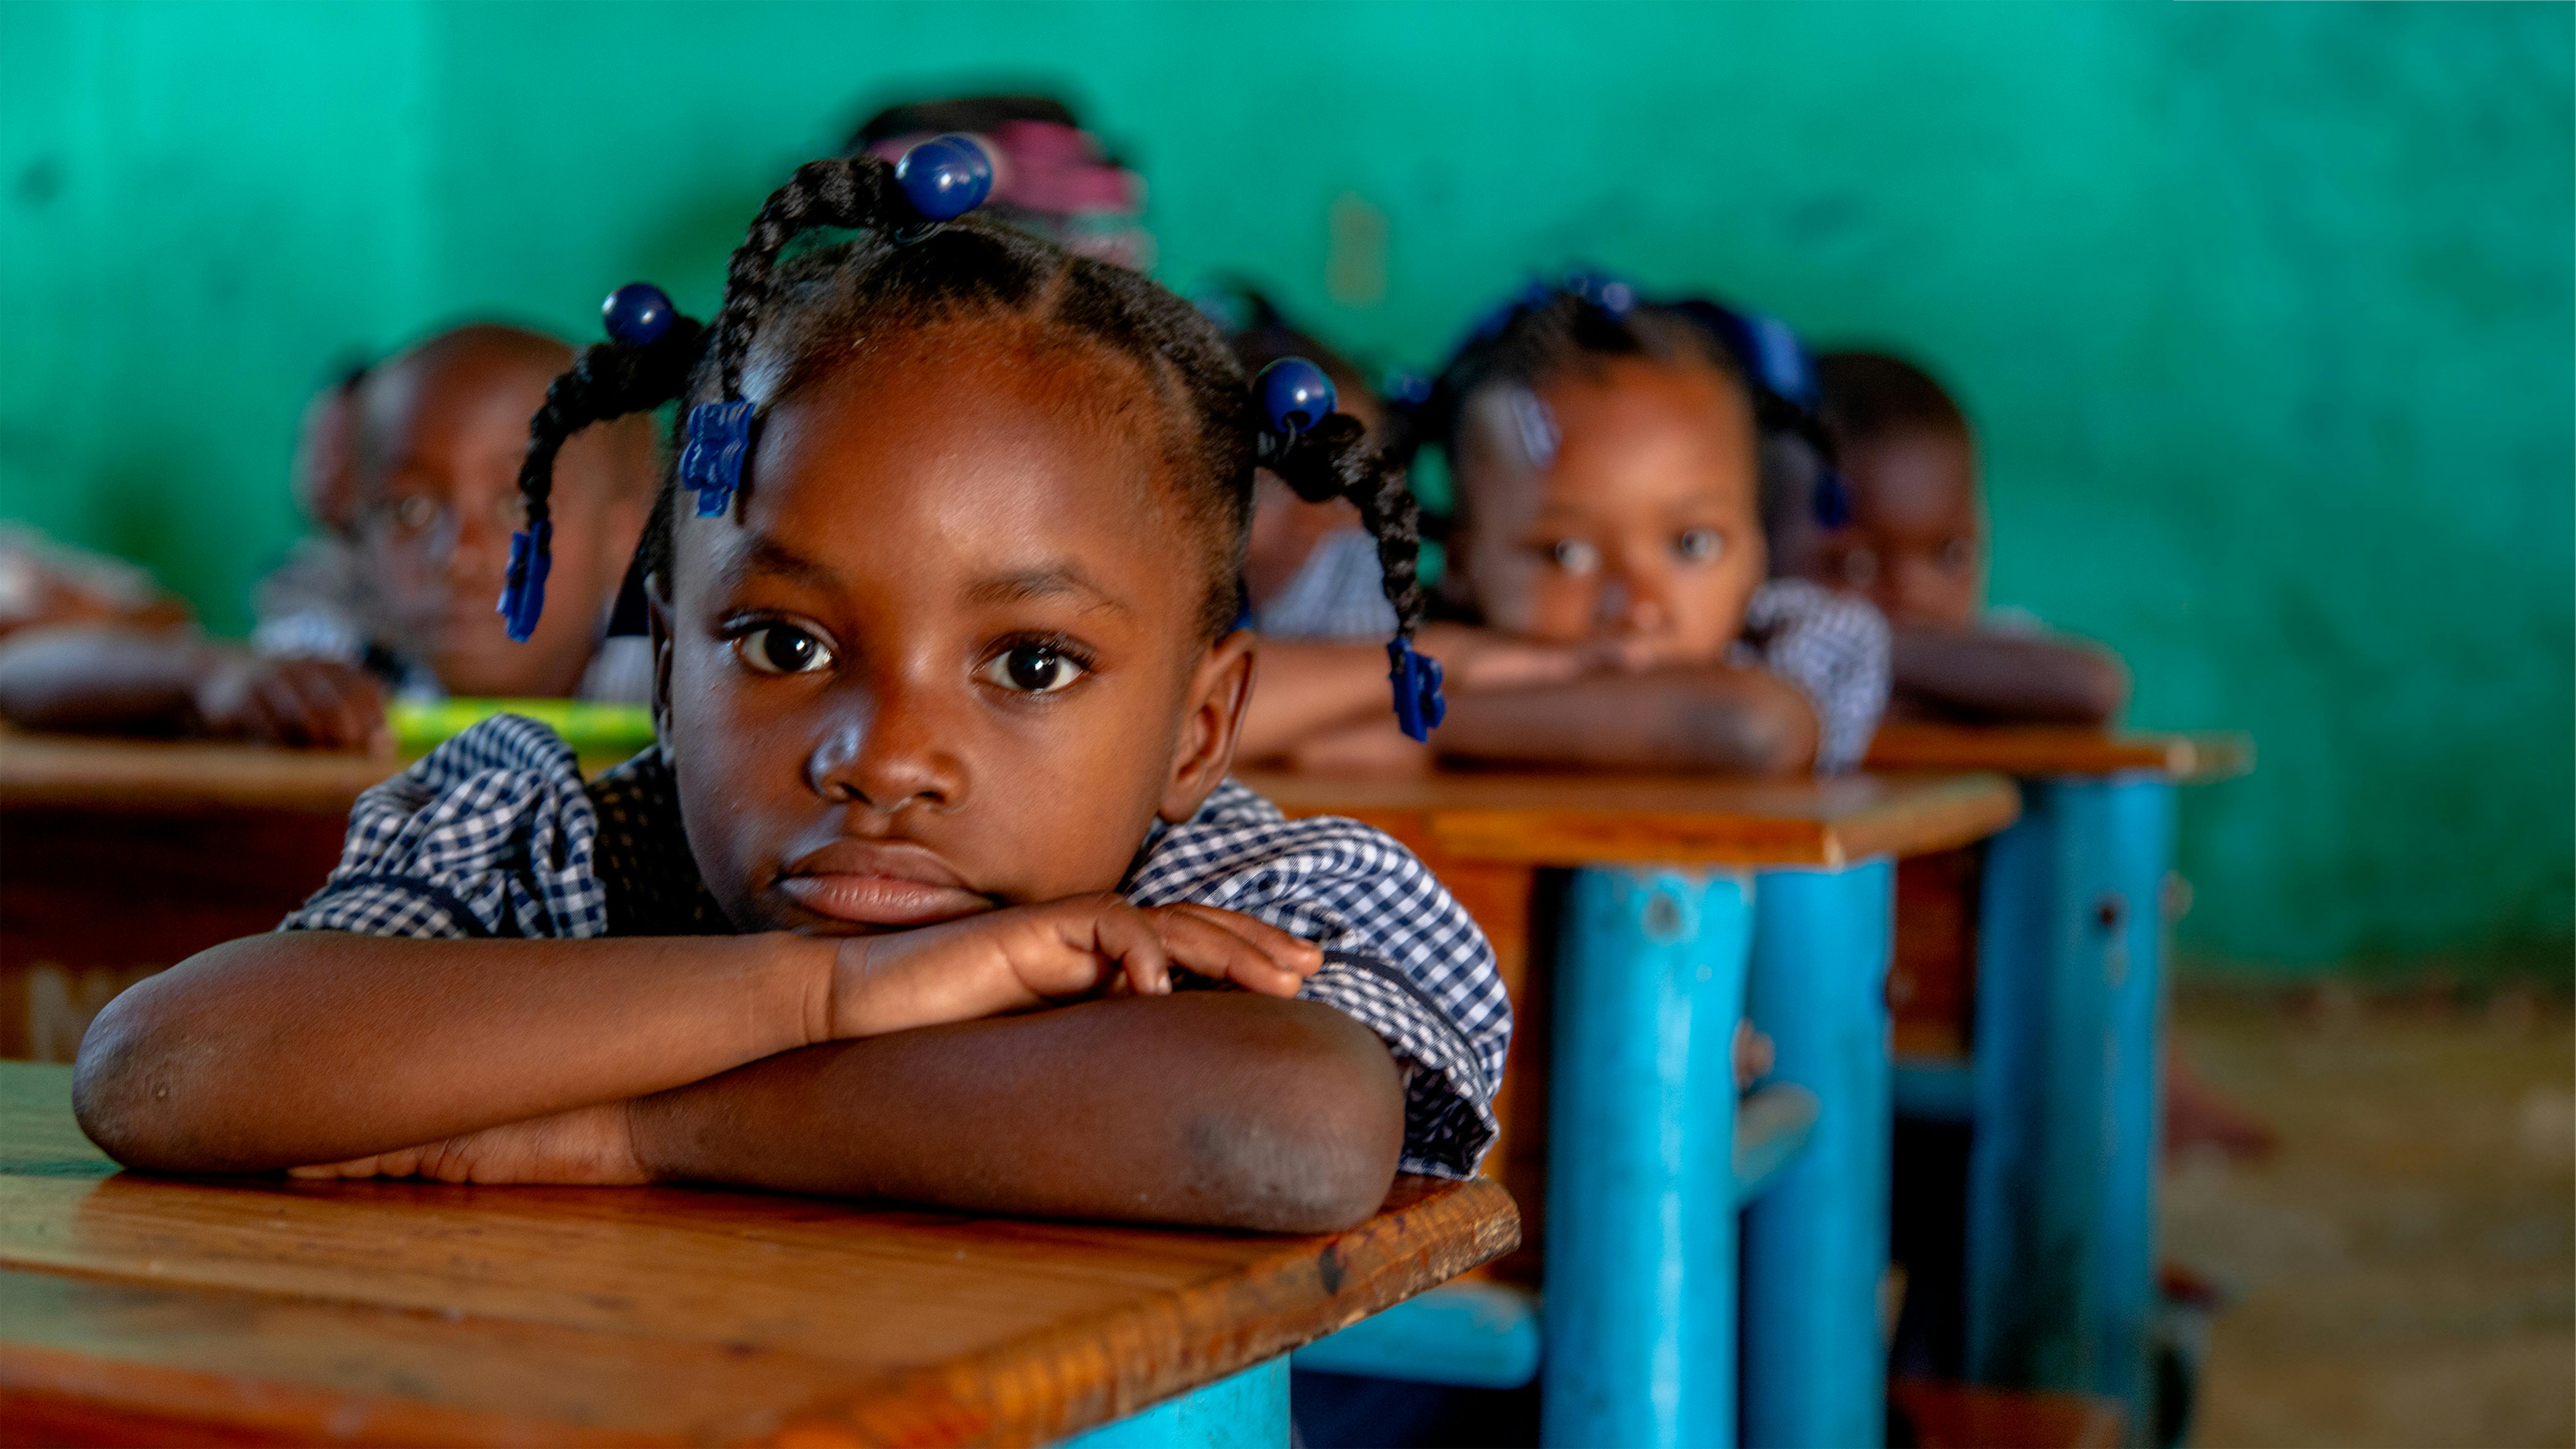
1706,717
1224,1109
2008,677
316,1046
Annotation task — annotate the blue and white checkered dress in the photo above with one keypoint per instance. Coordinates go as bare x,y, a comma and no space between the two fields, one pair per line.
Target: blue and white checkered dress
494,834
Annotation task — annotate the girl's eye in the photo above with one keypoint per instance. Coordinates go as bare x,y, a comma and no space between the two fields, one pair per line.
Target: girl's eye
782,649
1034,669
1700,545
1955,555
415,513
1575,556
1860,568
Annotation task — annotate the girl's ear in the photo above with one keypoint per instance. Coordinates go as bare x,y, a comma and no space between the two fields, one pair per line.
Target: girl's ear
659,617
1219,691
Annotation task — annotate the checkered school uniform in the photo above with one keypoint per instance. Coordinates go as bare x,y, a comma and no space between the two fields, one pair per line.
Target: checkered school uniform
495,834
1835,649
1339,592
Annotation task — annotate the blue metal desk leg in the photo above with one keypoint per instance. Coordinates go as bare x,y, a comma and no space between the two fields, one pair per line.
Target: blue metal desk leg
1815,1245
1640,1305
2062,1171
1247,1411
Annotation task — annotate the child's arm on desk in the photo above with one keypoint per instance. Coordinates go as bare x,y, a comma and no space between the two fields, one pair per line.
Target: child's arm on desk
1310,688
118,679
1701,717
2006,677
519,1060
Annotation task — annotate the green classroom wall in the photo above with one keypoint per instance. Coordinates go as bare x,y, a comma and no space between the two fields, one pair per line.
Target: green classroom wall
2264,313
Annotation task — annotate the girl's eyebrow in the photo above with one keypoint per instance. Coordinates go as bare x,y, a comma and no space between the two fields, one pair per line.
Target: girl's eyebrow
1054,581
767,555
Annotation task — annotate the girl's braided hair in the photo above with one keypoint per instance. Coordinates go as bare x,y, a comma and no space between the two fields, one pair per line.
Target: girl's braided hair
787,320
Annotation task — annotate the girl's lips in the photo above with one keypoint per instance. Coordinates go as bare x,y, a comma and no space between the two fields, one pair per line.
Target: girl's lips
881,900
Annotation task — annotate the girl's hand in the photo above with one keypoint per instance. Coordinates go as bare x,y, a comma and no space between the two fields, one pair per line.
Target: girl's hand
1033,956
312,703
588,1146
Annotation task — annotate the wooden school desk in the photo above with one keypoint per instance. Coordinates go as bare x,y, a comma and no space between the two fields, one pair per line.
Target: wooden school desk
1692,903
119,858
161,1310
2055,1058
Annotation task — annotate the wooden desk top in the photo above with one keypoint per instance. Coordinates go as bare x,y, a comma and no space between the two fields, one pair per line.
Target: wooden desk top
2192,759
181,775
157,1310
1569,819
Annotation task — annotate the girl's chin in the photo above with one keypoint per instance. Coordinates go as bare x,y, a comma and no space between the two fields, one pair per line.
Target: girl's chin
877,902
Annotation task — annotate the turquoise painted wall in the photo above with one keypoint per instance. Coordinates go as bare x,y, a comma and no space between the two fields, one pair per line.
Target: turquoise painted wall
2265,312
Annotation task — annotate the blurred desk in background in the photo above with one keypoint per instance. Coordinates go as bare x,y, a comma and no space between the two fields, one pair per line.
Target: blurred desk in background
262,1310
1689,904
119,858
2028,996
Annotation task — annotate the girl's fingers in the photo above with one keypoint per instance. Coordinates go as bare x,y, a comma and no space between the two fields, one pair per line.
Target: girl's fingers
1288,951
1211,950
1122,934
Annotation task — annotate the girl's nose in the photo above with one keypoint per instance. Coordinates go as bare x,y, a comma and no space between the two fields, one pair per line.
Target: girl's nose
1625,607
887,755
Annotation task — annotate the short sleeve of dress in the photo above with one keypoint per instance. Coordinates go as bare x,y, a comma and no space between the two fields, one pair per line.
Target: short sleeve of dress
1401,956
1836,650
490,834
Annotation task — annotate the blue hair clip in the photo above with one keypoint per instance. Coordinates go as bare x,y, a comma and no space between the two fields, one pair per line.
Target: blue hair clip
637,315
523,587
719,439
1419,707
945,177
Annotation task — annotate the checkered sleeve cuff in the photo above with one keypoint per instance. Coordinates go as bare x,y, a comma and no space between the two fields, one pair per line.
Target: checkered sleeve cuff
490,834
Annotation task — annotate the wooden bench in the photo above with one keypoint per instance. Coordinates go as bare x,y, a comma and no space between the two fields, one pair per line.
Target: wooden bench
158,1310
2028,992
1687,904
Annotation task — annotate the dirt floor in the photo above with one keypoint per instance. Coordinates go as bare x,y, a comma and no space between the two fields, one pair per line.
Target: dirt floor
2402,1271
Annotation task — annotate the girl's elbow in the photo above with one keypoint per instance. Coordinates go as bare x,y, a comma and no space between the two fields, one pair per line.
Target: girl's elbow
123,1095
1316,1151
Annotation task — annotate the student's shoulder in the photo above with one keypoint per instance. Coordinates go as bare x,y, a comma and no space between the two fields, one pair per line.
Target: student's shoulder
1239,831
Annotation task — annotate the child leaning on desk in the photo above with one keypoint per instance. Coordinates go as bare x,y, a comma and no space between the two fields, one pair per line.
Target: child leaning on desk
1606,456
408,470
947,690
1915,545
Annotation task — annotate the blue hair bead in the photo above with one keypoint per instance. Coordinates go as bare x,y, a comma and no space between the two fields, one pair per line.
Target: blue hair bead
523,588
1419,707
945,177
1295,395
719,440
637,315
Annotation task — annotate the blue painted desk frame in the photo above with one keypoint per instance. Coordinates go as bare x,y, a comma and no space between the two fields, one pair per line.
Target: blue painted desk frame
1676,1212
2063,1089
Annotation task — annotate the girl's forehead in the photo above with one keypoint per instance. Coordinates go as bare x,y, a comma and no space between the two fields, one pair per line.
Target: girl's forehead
950,460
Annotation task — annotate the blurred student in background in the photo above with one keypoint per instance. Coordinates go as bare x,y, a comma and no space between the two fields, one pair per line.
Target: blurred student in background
1606,457
1051,178
1310,576
411,472
1916,547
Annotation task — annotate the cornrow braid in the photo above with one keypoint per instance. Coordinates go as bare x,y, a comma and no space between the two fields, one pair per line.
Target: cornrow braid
1332,460
854,192
608,380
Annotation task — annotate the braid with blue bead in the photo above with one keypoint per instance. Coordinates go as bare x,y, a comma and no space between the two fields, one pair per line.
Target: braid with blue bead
1322,455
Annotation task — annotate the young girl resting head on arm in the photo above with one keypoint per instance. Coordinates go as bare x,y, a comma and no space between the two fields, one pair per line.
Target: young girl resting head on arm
1915,545
947,688
1605,459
